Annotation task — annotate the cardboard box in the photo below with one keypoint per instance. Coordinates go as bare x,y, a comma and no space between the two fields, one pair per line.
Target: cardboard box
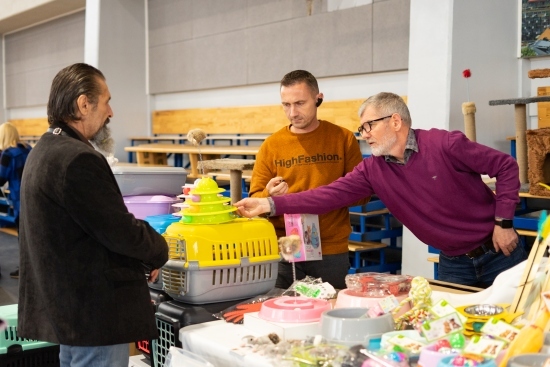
307,227
285,330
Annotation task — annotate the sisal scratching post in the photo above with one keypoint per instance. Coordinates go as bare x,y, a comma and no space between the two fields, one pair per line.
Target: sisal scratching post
520,111
235,167
469,112
235,186
538,73
538,159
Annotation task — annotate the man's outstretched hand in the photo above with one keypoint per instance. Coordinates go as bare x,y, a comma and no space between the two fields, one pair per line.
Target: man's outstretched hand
252,207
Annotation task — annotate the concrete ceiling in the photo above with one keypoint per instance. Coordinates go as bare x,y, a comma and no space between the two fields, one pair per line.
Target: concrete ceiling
17,14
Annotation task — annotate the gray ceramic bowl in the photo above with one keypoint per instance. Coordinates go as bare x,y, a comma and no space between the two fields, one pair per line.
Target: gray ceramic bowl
350,326
528,360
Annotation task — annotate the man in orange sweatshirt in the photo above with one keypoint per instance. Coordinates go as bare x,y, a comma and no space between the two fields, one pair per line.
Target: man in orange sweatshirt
306,154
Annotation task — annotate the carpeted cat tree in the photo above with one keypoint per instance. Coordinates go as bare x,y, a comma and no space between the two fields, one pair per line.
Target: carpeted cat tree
538,147
538,160
538,150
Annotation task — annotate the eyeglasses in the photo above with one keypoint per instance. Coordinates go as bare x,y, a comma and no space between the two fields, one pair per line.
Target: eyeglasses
368,130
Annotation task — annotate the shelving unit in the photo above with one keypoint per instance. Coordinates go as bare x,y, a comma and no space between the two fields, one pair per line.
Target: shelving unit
372,223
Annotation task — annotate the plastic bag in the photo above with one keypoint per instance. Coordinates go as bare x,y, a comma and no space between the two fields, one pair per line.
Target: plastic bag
312,288
359,356
378,284
178,357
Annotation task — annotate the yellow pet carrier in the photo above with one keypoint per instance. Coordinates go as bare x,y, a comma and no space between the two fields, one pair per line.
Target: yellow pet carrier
220,262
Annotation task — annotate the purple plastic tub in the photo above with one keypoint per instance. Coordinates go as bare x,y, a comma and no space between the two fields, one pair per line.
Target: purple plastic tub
142,206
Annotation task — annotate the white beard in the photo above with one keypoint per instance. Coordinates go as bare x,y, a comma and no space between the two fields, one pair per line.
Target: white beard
103,141
385,146
105,144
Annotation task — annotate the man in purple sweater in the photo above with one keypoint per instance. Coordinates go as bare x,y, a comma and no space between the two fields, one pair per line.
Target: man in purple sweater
431,181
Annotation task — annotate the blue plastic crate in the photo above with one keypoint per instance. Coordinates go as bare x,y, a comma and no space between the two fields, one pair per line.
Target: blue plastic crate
528,221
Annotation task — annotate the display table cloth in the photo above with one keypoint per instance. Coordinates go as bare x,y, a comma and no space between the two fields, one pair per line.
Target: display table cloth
221,343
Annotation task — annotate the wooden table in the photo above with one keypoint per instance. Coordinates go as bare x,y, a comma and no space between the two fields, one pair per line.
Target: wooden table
235,167
210,139
157,153
438,285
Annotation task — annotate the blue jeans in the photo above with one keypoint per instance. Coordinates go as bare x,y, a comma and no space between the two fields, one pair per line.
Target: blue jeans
333,269
104,356
480,271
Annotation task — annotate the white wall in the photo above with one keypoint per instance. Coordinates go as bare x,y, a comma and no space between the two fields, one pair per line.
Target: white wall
477,44
429,63
115,43
428,95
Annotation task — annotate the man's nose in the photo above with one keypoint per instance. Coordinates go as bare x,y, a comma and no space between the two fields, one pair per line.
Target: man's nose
366,134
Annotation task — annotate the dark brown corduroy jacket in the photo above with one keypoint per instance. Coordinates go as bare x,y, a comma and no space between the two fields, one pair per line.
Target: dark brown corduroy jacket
82,280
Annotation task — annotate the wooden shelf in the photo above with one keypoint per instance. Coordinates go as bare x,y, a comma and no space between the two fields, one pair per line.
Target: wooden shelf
356,246
524,232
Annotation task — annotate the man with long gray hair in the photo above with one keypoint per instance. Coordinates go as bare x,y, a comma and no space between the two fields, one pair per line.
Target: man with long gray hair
82,281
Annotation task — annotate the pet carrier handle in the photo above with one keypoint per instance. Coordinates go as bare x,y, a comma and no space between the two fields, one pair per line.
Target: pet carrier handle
167,319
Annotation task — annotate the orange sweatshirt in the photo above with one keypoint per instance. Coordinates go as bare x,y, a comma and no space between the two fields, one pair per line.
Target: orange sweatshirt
306,161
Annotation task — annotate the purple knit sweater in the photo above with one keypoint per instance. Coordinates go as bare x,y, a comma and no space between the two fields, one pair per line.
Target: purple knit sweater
439,194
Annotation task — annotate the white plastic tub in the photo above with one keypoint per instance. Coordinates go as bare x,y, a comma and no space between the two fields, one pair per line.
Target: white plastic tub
143,180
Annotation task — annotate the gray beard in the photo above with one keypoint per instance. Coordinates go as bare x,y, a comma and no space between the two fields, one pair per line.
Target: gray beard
385,145
103,141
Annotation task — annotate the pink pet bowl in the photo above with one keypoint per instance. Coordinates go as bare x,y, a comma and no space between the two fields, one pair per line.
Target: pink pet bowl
293,309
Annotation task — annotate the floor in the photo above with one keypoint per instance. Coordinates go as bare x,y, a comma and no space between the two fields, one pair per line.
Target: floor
9,261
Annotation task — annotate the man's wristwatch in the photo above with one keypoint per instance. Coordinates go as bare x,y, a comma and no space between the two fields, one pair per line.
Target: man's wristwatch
504,223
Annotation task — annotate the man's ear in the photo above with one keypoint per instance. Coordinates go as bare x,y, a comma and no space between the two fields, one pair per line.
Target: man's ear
396,122
83,104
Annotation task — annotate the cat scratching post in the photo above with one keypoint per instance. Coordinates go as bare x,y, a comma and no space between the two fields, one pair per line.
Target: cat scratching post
538,151
538,73
469,112
520,111
235,167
